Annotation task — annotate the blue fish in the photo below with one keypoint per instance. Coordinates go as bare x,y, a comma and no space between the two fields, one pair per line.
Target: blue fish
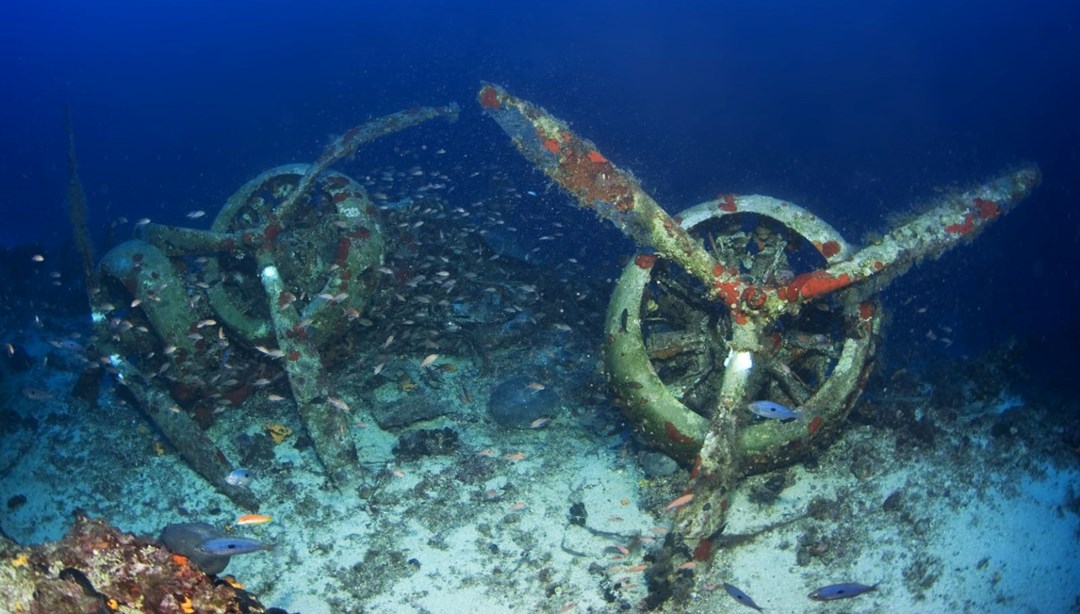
239,477
741,597
840,591
229,546
774,411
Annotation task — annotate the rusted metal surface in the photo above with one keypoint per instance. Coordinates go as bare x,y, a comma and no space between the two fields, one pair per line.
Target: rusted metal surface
598,185
286,266
753,302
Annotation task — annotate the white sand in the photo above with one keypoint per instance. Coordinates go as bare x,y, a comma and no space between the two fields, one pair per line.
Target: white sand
981,527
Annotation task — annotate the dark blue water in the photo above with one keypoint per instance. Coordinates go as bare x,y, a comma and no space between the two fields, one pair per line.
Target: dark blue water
854,110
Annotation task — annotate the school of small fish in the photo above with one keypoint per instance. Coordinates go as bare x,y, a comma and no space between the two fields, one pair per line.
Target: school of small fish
418,315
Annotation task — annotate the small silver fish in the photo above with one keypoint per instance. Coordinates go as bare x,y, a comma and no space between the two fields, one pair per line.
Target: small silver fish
741,597
540,423
774,411
37,394
239,477
840,591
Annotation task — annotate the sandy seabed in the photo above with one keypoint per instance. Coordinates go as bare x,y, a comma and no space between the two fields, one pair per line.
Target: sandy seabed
964,521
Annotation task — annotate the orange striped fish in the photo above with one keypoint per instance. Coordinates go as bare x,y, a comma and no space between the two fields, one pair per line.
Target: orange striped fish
247,519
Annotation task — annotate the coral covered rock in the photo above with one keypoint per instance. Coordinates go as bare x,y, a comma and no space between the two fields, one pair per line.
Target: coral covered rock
96,568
